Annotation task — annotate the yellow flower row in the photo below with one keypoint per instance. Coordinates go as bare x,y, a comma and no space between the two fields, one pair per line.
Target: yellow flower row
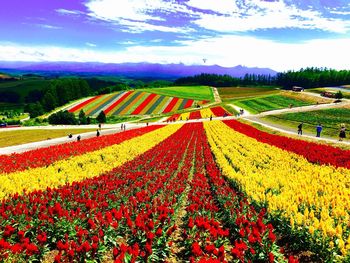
184,116
206,113
310,196
78,168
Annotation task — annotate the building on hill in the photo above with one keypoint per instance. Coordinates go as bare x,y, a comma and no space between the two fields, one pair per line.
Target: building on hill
297,89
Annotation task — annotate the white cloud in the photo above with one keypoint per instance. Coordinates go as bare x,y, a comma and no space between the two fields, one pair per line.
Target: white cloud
90,44
68,12
136,15
222,6
266,15
227,15
138,27
48,26
225,51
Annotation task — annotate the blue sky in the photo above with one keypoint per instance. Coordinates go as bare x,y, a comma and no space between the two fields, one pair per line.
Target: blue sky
280,34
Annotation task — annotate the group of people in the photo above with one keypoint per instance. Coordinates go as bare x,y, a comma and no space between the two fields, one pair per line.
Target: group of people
319,128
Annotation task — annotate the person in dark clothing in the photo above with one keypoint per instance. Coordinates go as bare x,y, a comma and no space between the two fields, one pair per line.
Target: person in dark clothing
300,129
211,117
78,138
70,136
97,133
318,130
342,133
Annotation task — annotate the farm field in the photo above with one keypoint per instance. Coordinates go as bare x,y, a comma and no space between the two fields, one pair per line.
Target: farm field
218,191
10,138
331,119
267,103
229,93
133,103
188,92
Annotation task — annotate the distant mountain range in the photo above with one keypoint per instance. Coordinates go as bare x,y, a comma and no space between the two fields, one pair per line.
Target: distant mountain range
131,69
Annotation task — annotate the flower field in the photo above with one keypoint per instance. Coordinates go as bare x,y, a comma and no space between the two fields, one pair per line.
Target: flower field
198,192
133,103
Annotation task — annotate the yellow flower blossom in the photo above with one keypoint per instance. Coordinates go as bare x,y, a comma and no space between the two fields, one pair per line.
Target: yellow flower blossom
78,168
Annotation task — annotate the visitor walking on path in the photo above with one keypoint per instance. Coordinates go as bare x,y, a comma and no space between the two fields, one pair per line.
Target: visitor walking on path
78,138
97,133
342,132
318,130
300,129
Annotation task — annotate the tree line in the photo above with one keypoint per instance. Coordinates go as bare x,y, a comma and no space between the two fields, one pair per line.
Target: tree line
226,80
58,93
313,78
307,78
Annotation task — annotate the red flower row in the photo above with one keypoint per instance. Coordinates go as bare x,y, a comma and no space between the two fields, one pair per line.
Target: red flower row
45,156
131,212
313,152
220,112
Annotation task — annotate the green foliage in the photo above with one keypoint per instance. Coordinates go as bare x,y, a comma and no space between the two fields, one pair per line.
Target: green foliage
63,117
313,77
101,118
82,117
268,103
339,95
34,109
329,118
226,80
9,96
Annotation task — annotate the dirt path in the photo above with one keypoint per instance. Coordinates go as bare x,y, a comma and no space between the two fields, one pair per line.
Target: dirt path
217,97
303,108
42,144
291,131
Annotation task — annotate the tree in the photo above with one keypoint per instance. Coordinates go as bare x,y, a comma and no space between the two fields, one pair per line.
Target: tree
82,117
339,95
63,117
101,118
34,109
49,101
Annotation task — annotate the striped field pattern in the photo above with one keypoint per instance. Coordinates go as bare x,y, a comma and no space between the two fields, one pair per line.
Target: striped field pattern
133,103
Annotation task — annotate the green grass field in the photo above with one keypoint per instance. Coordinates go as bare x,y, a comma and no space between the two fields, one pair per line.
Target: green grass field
10,138
331,119
229,93
188,92
267,103
24,86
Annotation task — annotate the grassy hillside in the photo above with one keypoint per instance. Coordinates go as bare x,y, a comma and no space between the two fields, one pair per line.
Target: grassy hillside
187,92
331,119
22,87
